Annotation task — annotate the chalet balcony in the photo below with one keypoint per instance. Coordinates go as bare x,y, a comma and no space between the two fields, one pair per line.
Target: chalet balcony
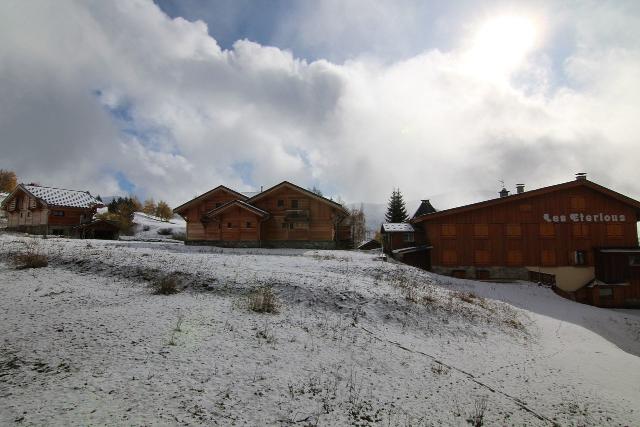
297,215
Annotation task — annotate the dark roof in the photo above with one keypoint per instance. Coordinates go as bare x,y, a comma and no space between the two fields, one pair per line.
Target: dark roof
305,191
528,194
424,209
182,207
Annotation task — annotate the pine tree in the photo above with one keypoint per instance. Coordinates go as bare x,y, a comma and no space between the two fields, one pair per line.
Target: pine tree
396,210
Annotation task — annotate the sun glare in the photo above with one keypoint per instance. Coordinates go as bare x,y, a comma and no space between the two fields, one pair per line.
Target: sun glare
502,43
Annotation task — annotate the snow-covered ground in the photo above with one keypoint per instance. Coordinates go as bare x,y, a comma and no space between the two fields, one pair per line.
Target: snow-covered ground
85,341
152,228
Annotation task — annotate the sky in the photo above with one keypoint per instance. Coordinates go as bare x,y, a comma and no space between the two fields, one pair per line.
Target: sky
445,100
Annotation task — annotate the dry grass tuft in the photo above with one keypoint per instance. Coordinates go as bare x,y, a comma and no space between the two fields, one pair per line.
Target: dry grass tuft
30,258
468,297
264,300
166,285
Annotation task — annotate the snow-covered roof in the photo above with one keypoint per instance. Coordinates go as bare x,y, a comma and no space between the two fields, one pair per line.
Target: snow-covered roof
397,227
62,197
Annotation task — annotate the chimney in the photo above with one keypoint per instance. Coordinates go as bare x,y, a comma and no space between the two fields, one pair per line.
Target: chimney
261,188
519,188
581,176
504,192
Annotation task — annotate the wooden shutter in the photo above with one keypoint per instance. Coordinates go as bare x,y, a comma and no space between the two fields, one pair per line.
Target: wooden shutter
480,230
449,257
514,257
547,230
548,257
580,230
481,257
514,230
448,230
577,203
614,230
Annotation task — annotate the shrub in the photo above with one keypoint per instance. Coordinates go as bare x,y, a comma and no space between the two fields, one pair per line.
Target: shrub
146,228
263,300
30,260
164,231
179,236
166,286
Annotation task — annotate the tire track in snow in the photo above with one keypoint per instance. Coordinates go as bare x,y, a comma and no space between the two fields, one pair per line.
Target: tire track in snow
468,375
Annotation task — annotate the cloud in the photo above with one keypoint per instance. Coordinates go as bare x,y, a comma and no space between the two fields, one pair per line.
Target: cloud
93,92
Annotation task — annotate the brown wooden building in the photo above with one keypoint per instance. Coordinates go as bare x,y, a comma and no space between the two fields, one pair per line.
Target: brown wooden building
284,215
552,234
45,210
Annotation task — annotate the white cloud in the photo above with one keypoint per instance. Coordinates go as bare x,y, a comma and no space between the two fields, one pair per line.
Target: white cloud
193,111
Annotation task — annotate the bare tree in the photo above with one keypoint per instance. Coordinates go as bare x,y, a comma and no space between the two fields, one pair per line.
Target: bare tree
358,222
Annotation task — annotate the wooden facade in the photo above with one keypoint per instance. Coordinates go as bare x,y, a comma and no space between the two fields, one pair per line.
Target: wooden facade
282,216
46,210
550,231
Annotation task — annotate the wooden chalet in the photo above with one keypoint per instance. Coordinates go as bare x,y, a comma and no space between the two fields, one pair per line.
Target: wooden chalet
578,236
45,210
284,215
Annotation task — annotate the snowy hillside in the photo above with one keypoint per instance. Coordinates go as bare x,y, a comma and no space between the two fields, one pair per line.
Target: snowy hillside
356,341
150,228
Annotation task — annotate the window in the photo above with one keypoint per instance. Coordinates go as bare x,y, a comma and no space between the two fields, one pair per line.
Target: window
228,225
301,225
634,260
605,292
580,230
480,230
577,203
29,214
57,213
481,257
287,225
548,257
514,230
448,230
614,230
408,237
580,257
514,257
449,257
294,204
281,203
547,230
248,224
